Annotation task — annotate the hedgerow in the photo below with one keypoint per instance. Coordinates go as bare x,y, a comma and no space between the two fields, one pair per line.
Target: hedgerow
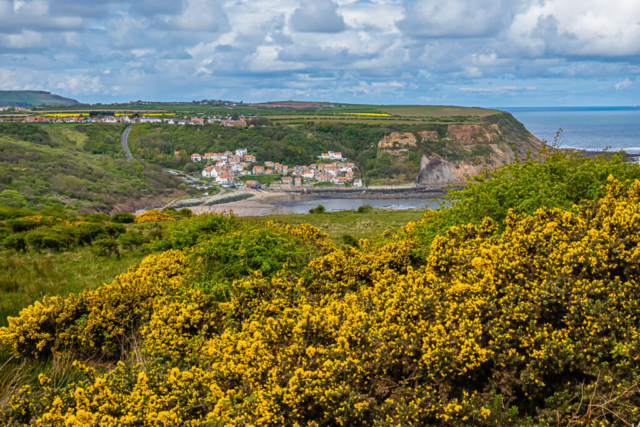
530,319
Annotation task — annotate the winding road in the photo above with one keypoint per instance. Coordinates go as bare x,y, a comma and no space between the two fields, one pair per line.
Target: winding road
125,146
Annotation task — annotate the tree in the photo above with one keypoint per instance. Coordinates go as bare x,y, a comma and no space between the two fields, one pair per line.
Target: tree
190,168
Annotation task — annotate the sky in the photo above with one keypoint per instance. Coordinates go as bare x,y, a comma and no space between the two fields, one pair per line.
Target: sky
487,53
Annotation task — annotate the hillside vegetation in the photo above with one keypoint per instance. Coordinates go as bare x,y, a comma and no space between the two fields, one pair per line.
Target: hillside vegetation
77,168
359,142
526,318
33,98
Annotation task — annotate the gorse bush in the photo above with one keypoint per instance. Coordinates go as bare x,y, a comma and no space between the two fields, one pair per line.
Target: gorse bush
153,215
527,319
552,178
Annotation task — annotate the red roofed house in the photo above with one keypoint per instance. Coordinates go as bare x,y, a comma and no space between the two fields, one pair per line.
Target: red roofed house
196,157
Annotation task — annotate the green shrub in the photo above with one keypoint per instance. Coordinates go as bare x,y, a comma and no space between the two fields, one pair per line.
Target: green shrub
91,231
15,242
186,213
193,230
123,218
114,230
349,240
365,208
106,248
131,240
39,240
97,217
318,210
20,225
222,259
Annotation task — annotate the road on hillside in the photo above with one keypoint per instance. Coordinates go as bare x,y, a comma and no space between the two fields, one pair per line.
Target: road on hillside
125,146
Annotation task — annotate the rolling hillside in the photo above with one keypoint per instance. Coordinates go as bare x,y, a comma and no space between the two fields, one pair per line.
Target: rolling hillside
79,168
32,98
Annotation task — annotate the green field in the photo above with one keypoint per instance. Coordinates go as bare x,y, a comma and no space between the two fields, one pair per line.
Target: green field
369,225
402,114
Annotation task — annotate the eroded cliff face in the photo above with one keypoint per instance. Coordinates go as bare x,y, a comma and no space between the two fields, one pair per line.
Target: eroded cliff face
453,153
494,148
398,140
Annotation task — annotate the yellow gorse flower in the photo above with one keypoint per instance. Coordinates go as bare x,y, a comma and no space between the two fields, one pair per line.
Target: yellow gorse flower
367,336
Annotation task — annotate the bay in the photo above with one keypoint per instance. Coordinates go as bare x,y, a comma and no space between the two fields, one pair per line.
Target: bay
587,128
302,204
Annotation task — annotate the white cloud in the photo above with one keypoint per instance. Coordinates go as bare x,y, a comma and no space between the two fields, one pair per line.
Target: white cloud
578,28
25,40
457,18
317,16
201,15
624,84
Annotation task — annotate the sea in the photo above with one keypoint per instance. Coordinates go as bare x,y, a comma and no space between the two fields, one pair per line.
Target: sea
585,128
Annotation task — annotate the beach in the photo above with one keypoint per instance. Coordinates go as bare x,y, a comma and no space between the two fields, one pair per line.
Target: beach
255,206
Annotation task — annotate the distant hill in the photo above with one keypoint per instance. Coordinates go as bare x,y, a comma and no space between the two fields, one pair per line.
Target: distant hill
32,98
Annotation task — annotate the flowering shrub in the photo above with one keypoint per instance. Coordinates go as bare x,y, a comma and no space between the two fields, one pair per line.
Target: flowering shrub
153,216
536,325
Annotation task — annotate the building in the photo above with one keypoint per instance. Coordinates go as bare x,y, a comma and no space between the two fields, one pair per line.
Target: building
144,119
331,156
241,152
196,157
258,170
252,184
206,173
297,181
224,179
197,121
357,183
249,158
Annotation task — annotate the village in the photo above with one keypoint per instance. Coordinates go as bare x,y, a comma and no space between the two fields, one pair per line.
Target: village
239,120
227,168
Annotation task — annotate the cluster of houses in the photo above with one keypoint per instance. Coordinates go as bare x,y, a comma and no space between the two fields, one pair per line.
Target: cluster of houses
144,119
229,165
10,108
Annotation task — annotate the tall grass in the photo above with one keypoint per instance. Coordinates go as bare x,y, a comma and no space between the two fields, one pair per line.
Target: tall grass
28,277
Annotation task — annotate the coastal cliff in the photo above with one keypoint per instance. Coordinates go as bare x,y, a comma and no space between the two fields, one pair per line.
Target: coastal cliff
442,154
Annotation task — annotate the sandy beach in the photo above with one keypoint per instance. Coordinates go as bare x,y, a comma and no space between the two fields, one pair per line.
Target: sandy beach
254,206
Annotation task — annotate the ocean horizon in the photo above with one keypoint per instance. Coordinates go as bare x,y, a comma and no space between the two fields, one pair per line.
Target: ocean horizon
588,128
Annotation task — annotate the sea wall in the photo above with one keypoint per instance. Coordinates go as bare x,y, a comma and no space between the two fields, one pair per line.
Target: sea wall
377,192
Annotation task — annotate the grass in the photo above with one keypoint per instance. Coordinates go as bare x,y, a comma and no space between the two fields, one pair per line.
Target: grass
435,111
28,277
368,225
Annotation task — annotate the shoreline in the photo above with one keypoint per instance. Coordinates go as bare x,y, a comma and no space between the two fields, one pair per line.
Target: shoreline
255,206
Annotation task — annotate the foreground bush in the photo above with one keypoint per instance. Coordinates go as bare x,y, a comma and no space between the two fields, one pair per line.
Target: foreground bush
153,216
536,325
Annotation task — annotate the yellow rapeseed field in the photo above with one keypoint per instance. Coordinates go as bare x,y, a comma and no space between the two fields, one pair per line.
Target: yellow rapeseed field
369,114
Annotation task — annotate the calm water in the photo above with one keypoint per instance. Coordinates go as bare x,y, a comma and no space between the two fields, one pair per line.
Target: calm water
304,203
591,128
